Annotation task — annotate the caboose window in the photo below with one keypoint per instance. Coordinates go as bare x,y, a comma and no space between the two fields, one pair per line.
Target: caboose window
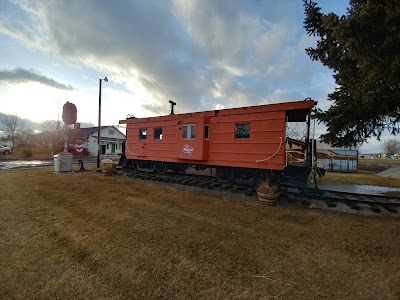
142,134
189,132
157,133
206,131
242,131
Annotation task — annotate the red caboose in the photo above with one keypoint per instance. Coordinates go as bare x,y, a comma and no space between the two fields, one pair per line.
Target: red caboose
247,143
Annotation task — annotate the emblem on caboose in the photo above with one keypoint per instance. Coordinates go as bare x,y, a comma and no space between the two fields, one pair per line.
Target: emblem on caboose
187,149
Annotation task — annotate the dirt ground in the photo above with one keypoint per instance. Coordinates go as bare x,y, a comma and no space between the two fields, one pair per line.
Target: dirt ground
90,236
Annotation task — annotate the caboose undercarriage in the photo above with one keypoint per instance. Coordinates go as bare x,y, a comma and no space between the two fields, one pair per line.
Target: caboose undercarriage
248,176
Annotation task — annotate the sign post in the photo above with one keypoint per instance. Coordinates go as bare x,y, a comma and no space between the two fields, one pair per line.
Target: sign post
79,152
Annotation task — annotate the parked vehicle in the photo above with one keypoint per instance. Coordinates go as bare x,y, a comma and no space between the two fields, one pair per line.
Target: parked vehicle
5,149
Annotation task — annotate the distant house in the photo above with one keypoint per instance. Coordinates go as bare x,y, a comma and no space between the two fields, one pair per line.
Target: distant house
337,159
324,146
111,139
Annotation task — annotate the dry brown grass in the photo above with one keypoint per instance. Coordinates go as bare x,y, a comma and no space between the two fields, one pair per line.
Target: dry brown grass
376,165
37,152
366,175
360,178
89,236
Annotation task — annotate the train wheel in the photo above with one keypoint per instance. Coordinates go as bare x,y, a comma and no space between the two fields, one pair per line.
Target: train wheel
178,168
131,165
222,175
162,169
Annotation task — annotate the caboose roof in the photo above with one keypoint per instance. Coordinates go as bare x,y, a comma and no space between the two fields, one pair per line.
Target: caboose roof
295,112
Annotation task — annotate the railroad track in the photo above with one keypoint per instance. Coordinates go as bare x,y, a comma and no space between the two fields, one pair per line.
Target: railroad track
375,204
306,197
201,181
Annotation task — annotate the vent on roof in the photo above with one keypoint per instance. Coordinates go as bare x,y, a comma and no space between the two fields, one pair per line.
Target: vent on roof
172,106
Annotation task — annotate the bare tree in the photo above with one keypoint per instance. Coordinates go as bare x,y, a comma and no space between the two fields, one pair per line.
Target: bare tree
391,146
13,127
26,136
55,131
296,131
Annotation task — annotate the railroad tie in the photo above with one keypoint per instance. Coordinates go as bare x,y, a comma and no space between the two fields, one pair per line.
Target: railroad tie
330,203
375,208
390,208
353,205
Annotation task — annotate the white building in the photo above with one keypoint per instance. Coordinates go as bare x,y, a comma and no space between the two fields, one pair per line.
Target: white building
324,146
111,139
337,159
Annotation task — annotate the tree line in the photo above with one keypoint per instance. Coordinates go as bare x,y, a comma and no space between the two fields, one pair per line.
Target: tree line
15,130
53,134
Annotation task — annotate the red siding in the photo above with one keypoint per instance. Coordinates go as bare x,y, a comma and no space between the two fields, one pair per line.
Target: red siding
264,149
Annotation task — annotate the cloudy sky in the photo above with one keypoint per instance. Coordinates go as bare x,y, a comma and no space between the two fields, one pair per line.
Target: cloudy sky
202,54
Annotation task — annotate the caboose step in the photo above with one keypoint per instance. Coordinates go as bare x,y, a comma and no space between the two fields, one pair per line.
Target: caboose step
296,174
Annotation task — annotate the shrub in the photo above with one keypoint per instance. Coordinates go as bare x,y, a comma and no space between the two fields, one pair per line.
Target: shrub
27,153
58,149
265,188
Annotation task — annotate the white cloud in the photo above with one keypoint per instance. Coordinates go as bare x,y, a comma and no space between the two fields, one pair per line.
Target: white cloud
33,101
19,32
176,56
201,54
20,75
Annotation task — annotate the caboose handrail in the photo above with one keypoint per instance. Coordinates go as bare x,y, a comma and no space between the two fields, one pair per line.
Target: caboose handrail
286,155
280,145
127,148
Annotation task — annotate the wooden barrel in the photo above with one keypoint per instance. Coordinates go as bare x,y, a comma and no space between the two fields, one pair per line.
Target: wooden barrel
268,199
107,166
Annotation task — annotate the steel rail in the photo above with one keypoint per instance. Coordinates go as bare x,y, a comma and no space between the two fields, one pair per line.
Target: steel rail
388,205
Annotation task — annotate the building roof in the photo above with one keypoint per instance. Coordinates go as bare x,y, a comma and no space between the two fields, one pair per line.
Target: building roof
324,146
84,133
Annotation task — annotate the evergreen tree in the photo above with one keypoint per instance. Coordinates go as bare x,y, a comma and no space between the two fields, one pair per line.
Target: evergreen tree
362,49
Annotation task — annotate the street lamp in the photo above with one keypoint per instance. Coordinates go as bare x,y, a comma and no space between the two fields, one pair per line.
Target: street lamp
99,127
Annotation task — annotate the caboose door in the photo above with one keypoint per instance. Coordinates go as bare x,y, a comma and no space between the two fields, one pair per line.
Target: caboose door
190,138
142,143
142,148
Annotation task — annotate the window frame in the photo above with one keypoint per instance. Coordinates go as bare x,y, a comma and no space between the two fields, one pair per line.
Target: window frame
189,131
242,137
207,131
142,136
160,135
